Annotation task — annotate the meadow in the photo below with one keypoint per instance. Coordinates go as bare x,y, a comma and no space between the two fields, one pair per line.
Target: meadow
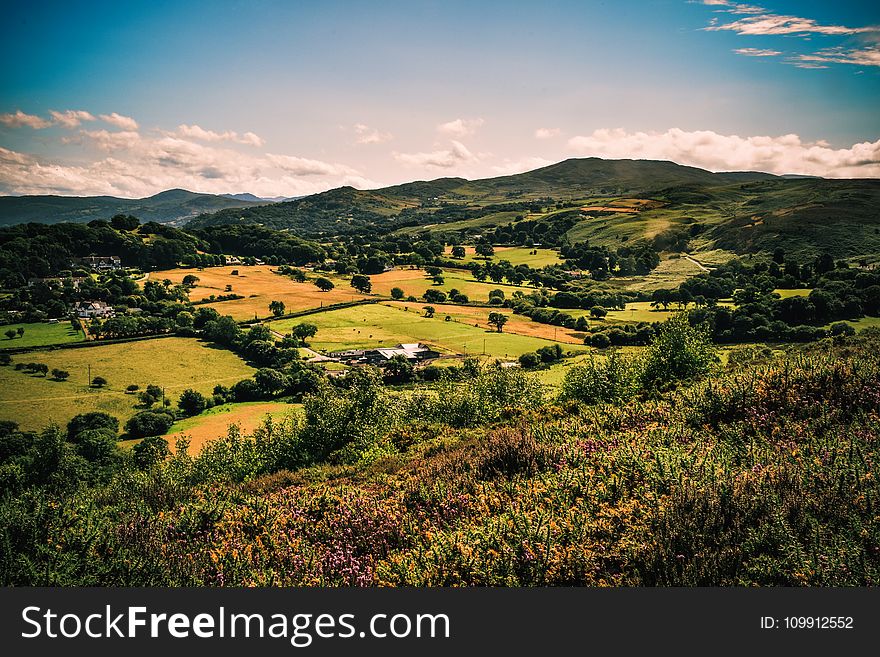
260,286
519,324
385,325
40,334
215,422
515,255
414,282
172,363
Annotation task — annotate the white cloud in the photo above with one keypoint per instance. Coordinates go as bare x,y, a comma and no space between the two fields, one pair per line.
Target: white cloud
302,166
547,133
460,127
447,158
509,167
112,141
869,56
124,122
757,52
19,119
710,150
367,135
136,165
197,132
767,23
70,118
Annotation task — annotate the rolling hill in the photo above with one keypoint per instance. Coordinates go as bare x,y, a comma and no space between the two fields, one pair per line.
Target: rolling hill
739,212
171,206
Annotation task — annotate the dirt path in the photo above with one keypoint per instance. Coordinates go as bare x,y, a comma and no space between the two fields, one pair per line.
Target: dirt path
697,263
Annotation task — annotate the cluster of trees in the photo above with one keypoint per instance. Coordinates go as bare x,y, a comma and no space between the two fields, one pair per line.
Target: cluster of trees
602,262
543,356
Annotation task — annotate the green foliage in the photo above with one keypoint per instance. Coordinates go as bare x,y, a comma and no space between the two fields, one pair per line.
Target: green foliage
149,423
192,402
94,421
614,379
679,351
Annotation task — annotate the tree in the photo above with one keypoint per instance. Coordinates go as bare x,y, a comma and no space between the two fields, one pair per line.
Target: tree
20,331
484,249
10,333
438,279
60,375
192,402
396,293
124,222
429,311
276,308
598,312
96,420
149,423
361,283
303,331
149,452
529,360
324,284
398,370
190,280
433,295
458,252
498,320
99,382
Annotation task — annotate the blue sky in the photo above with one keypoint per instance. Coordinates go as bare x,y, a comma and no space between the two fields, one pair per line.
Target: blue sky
287,98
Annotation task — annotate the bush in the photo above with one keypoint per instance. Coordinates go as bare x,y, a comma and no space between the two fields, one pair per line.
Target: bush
679,351
149,452
529,360
95,421
149,423
598,340
191,402
611,380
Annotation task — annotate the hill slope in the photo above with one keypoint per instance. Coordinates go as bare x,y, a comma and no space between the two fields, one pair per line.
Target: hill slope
171,206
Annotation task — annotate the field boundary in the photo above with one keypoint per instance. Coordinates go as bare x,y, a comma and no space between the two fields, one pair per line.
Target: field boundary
86,343
312,311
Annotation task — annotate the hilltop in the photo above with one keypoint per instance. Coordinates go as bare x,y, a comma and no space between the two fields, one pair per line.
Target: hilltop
605,202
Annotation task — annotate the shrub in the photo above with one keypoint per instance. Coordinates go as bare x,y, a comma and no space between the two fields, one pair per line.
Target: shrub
192,402
679,351
611,380
96,420
149,452
149,423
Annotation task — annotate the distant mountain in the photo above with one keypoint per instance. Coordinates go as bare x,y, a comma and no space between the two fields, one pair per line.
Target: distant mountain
173,206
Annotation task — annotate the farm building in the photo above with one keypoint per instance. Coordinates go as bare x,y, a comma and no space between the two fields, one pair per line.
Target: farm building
93,309
414,352
100,263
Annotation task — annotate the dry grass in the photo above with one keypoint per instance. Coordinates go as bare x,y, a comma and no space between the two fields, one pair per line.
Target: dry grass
259,285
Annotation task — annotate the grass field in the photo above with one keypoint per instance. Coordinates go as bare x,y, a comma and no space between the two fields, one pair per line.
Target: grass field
414,282
785,294
670,273
515,324
41,334
259,285
216,421
173,363
382,325
516,255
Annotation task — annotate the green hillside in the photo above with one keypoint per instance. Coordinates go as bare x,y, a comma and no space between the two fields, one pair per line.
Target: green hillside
171,206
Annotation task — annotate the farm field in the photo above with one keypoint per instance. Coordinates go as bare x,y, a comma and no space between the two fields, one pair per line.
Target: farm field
383,325
173,363
670,273
41,333
215,422
785,294
516,255
518,324
414,282
259,285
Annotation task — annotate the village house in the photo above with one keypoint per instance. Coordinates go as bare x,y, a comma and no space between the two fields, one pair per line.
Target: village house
58,280
100,263
413,352
94,310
